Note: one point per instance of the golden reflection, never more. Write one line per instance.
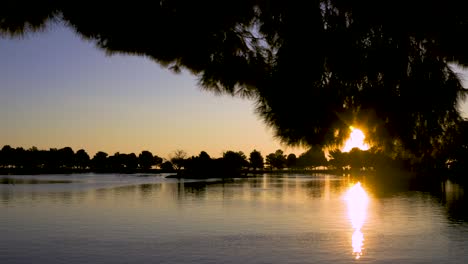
(357, 200)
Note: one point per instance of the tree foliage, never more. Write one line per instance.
(256, 159)
(291, 161)
(99, 161)
(147, 160)
(167, 166)
(234, 161)
(372, 159)
(276, 160)
(311, 158)
(82, 159)
(200, 166)
(178, 159)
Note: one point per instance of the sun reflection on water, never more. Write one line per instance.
(357, 200)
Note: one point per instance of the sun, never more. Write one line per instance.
(355, 140)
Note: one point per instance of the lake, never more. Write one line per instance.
(283, 218)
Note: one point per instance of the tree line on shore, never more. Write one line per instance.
(65, 160)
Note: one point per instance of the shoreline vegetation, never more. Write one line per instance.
(172, 174)
(232, 164)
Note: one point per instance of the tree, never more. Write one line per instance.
(291, 161)
(19, 157)
(256, 160)
(339, 159)
(203, 162)
(32, 158)
(204, 156)
(82, 159)
(52, 159)
(276, 160)
(130, 162)
(167, 166)
(313, 157)
(6, 156)
(66, 157)
(178, 158)
(356, 158)
(270, 160)
(201, 166)
(233, 162)
(99, 161)
(157, 160)
(116, 162)
(367, 69)
(146, 160)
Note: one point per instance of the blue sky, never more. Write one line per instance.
(58, 90)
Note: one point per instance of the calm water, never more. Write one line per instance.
(266, 219)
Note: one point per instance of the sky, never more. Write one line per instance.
(58, 90)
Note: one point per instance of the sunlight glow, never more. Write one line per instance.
(355, 140)
(357, 200)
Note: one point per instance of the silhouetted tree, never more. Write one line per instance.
(52, 159)
(291, 161)
(338, 159)
(201, 166)
(313, 157)
(3, 162)
(178, 158)
(256, 160)
(146, 160)
(99, 161)
(82, 159)
(130, 162)
(157, 160)
(377, 159)
(276, 160)
(116, 162)
(6, 156)
(122, 162)
(19, 157)
(204, 161)
(167, 166)
(356, 158)
(66, 157)
(204, 156)
(33, 159)
(233, 162)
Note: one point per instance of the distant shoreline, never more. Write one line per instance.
(25, 171)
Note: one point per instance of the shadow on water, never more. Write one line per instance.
(146, 190)
(196, 189)
(450, 195)
(180, 189)
(31, 181)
